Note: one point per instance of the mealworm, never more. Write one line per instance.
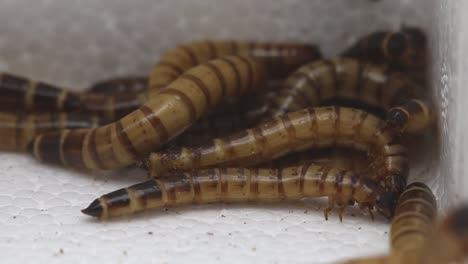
(414, 217)
(280, 58)
(350, 82)
(297, 131)
(404, 49)
(176, 107)
(132, 84)
(18, 130)
(20, 94)
(242, 185)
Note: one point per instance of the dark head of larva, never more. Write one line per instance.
(385, 201)
(397, 119)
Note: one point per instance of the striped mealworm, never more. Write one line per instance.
(176, 107)
(280, 58)
(349, 82)
(21, 94)
(18, 130)
(414, 217)
(297, 131)
(404, 49)
(241, 185)
(133, 84)
(411, 227)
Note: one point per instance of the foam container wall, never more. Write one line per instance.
(74, 43)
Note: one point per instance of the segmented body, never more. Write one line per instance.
(18, 130)
(21, 94)
(156, 122)
(132, 84)
(297, 131)
(414, 217)
(280, 59)
(238, 185)
(356, 83)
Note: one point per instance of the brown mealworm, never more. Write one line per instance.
(319, 127)
(176, 107)
(21, 94)
(279, 58)
(18, 130)
(350, 82)
(241, 185)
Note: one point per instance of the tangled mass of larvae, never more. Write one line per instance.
(230, 121)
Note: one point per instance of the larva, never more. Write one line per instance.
(404, 49)
(349, 82)
(176, 107)
(280, 58)
(241, 185)
(20, 94)
(297, 131)
(414, 217)
(411, 227)
(132, 84)
(18, 130)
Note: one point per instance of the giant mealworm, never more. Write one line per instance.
(20, 94)
(280, 59)
(297, 131)
(241, 185)
(18, 130)
(157, 121)
(350, 82)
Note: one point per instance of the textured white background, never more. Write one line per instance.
(76, 42)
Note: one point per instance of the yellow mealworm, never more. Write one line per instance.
(20, 94)
(280, 58)
(132, 84)
(242, 185)
(18, 130)
(349, 82)
(404, 49)
(297, 131)
(176, 107)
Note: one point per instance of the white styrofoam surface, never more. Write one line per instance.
(76, 42)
